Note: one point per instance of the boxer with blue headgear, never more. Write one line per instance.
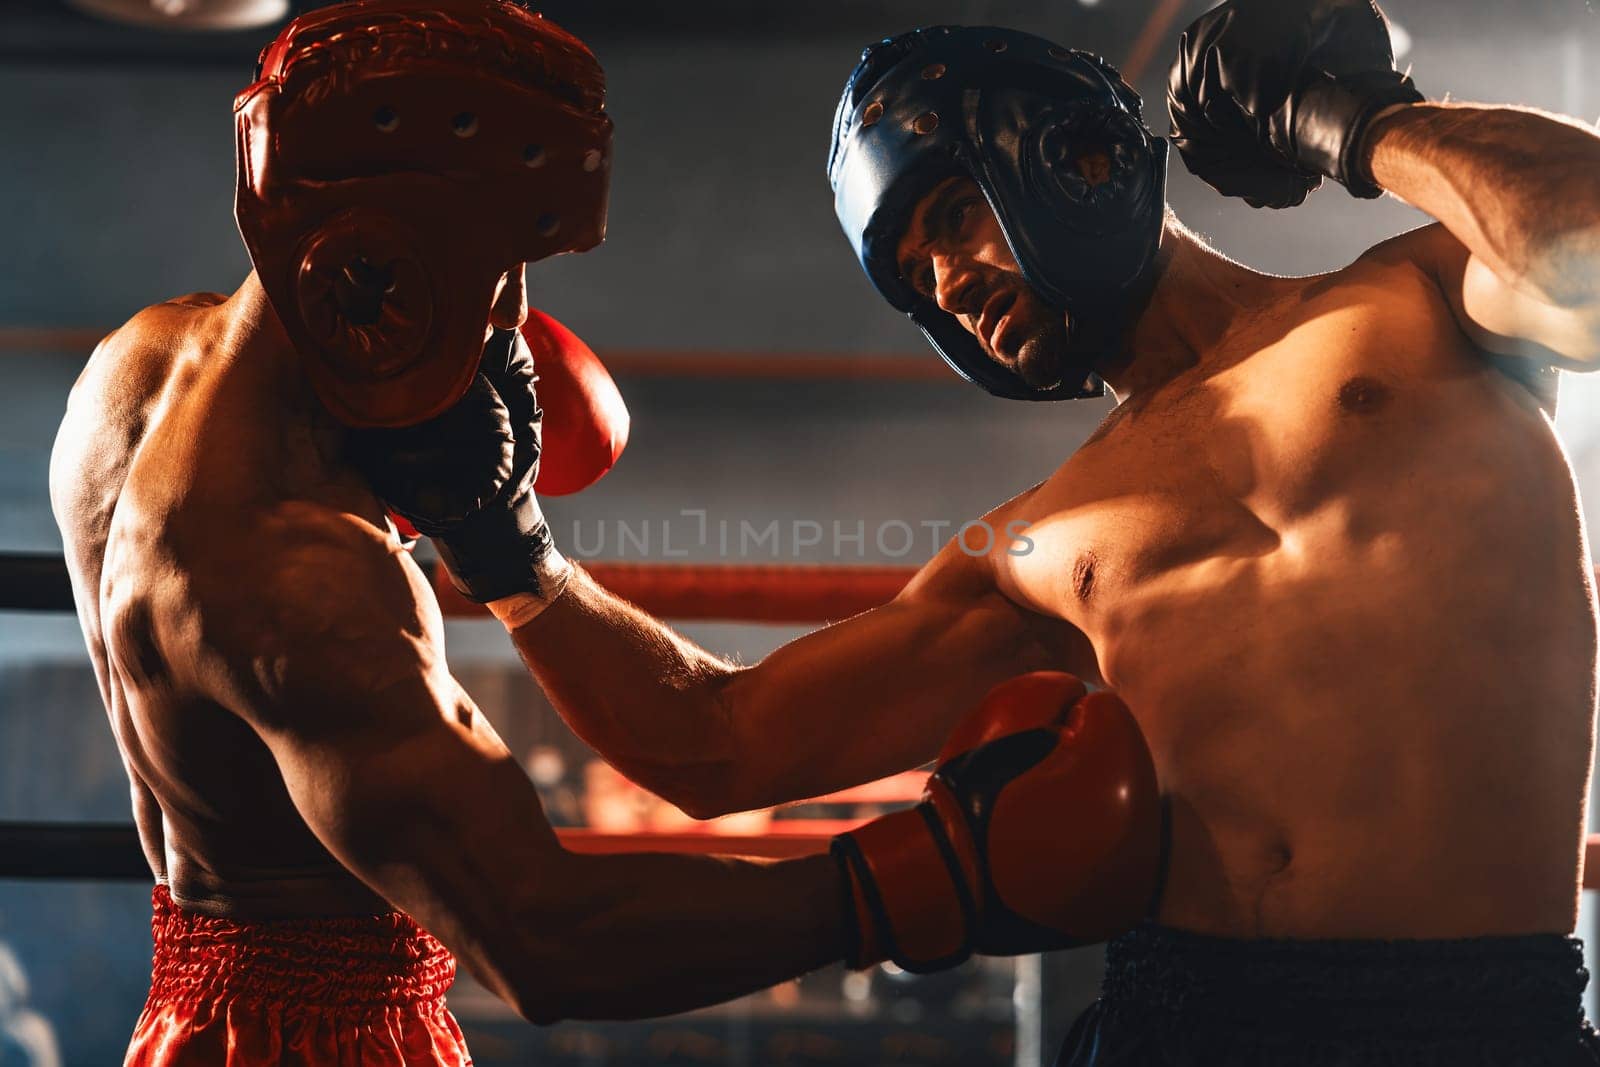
(1287, 547)
(1054, 139)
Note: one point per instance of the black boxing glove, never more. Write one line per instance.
(465, 479)
(1269, 96)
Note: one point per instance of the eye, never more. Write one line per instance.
(959, 213)
(916, 273)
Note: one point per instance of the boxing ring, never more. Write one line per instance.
(748, 593)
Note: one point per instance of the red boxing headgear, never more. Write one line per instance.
(396, 158)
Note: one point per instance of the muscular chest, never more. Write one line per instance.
(1306, 436)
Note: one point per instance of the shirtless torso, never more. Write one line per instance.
(157, 485)
(1338, 571)
(272, 661)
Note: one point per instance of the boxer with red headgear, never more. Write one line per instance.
(395, 161)
(330, 819)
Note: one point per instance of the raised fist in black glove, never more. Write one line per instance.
(1269, 96)
(465, 479)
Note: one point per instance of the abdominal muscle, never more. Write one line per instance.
(1344, 764)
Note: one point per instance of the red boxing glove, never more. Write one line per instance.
(407, 532)
(585, 420)
(1040, 828)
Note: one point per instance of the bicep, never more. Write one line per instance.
(401, 786)
(1505, 320)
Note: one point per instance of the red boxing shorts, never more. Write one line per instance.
(359, 990)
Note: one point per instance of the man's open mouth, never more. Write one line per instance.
(993, 316)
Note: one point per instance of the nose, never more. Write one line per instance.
(954, 284)
(510, 307)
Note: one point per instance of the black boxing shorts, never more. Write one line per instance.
(1175, 999)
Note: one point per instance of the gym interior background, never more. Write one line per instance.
(116, 188)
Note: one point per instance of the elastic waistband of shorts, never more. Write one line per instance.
(1469, 984)
(338, 963)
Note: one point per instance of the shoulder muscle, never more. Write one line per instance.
(330, 618)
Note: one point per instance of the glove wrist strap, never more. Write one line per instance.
(1340, 111)
(910, 903)
(861, 945)
(519, 609)
(504, 553)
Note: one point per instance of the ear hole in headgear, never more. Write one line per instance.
(1087, 154)
(360, 290)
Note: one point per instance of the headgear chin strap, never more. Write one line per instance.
(395, 159)
(1015, 113)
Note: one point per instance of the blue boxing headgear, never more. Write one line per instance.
(1013, 112)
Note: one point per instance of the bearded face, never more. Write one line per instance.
(955, 254)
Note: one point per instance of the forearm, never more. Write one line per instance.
(643, 696)
(845, 704)
(655, 934)
(562, 935)
(444, 824)
(1515, 186)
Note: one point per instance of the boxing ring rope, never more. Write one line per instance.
(110, 852)
(1152, 35)
(768, 593)
(786, 593)
(688, 592)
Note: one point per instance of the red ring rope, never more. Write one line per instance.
(771, 593)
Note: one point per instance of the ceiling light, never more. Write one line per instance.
(188, 14)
